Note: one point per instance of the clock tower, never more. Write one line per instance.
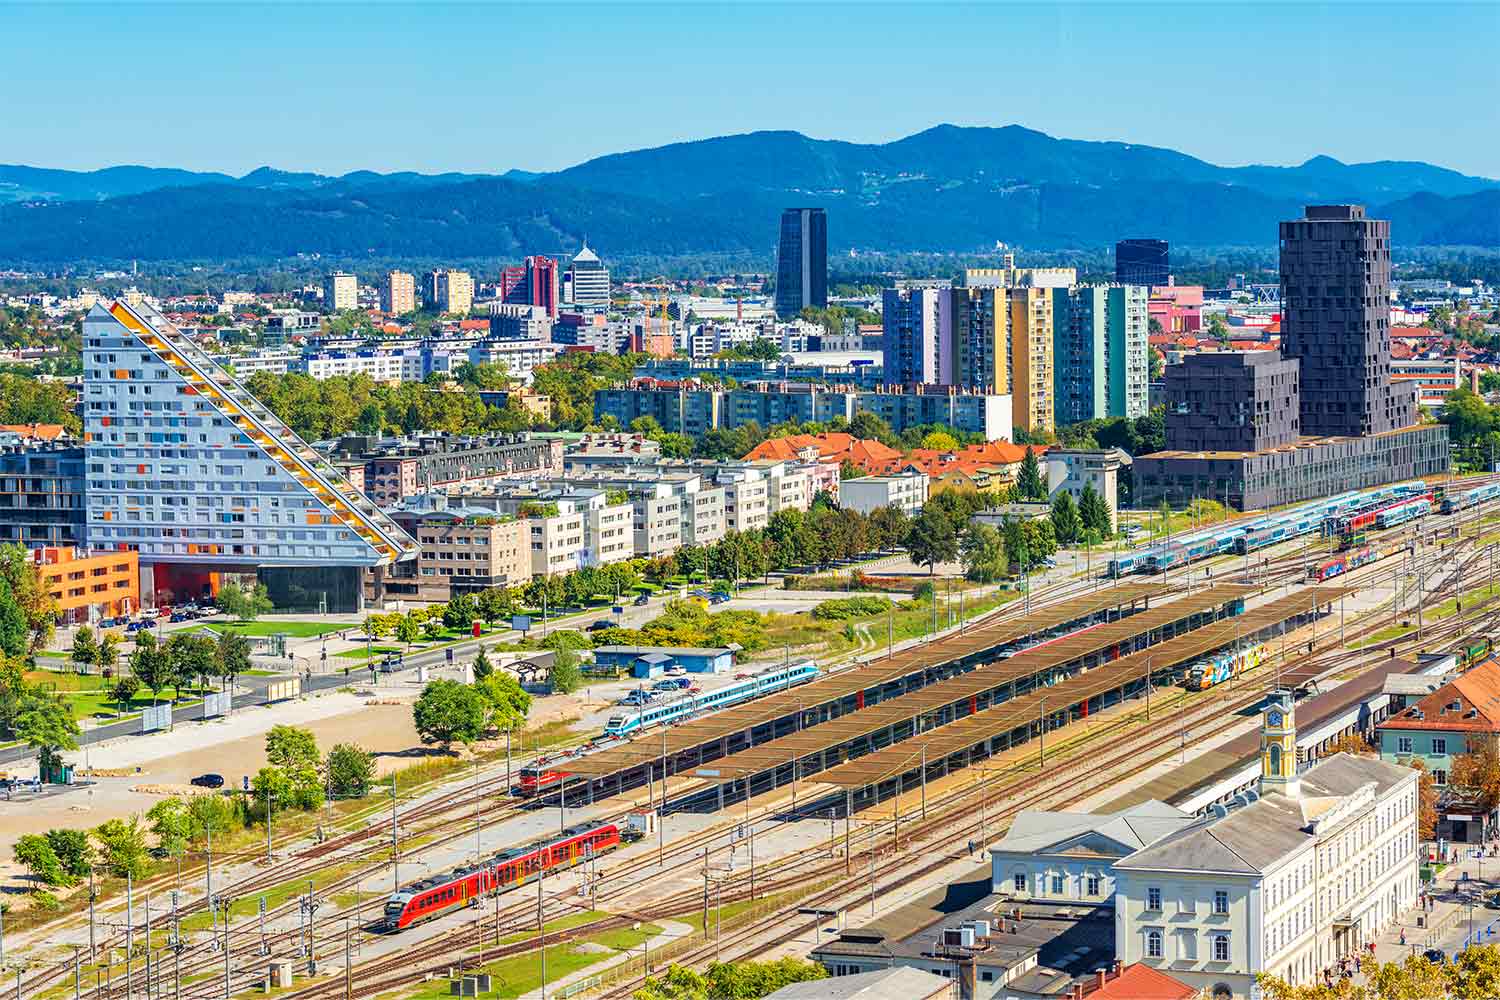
(1278, 746)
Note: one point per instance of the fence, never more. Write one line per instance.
(215, 704)
(156, 717)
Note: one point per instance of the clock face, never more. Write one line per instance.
(1274, 719)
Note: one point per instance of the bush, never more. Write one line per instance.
(925, 591)
(843, 608)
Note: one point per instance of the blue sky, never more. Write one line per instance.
(488, 87)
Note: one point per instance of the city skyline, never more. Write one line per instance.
(1080, 75)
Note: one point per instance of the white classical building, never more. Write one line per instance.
(1308, 870)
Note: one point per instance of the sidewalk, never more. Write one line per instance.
(1445, 923)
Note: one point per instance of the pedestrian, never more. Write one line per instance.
(1372, 949)
(1403, 937)
(1357, 963)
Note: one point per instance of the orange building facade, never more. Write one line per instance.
(88, 587)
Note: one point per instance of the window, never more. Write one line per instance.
(1221, 947)
(1153, 898)
(1221, 901)
(1153, 944)
(1440, 777)
(1093, 885)
(1403, 744)
(1439, 744)
(1057, 885)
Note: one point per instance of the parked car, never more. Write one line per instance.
(642, 600)
(1435, 956)
(676, 671)
(208, 781)
(718, 597)
(666, 685)
(180, 616)
(600, 625)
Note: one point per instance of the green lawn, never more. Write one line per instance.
(522, 974)
(89, 693)
(295, 629)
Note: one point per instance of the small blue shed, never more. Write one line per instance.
(653, 661)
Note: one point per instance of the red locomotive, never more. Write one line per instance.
(539, 778)
(507, 870)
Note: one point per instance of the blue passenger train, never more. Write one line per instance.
(624, 724)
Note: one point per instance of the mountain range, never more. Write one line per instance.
(948, 188)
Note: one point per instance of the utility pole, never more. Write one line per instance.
(348, 965)
(541, 928)
(395, 842)
(226, 949)
(270, 806)
(208, 879)
(1043, 734)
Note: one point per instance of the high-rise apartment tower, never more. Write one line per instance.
(1335, 320)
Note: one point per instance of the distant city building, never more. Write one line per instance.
(41, 494)
(87, 586)
(463, 549)
(520, 322)
(802, 261)
(588, 280)
(398, 293)
(394, 469)
(1070, 470)
(1335, 320)
(1232, 401)
(906, 491)
(340, 292)
(208, 485)
(913, 347)
(1100, 362)
(1011, 276)
(533, 283)
(1142, 262)
(519, 357)
(455, 292)
(1032, 333)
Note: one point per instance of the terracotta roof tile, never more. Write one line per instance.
(1141, 982)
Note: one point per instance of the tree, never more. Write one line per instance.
(482, 666)
(648, 426)
(107, 653)
(151, 664)
(729, 980)
(870, 426)
(193, 656)
(564, 677)
(1413, 978)
(495, 604)
(73, 850)
(1477, 773)
(15, 635)
(1427, 800)
(244, 605)
(1093, 512)
(407, 631)
(272, 787)
(931, 539)
(432, 628)
(983, 553)
(508, 701)
(939, 441)
(23, 577)
(122, 847)
(289, 748)
(124, 690)
(350, 771)
(1065, 524)
(33, 852)
(1353, 743)
(449, 712)
(1029, 479)
(459, 613)
(85, 650)
(233, 655)
(172, 824)
(46, 724)
(210, 814)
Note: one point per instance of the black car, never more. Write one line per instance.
(208, 781)
(600, 625)
(1435, 956)
(642, 601)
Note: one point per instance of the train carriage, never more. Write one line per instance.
(625, 723)
(438, 894)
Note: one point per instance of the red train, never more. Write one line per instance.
(507, 870)
(1352, 524)
(539, 779)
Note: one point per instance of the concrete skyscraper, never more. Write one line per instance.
(398, 294)
(1335, 320)
(533, 283)
(340, 292)
(1142, 262)
(802, 261)
(589, 279)
(1099, 352)
(912, 343)
(188, 469)
(454, 291)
